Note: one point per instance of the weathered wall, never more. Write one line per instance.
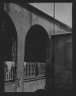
(63, 61)
(59, 30)
(48, 25)
(23, 21)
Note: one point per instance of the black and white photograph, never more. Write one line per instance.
(36, 48)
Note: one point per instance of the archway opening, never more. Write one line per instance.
(8, 47)
(36, 43)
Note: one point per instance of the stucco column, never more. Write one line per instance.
(21, 19)
(19, 84)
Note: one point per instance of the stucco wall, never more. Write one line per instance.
(23, 21)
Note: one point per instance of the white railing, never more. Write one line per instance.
(34, 69)
(9, 75)
(9, 71)
(31, 70)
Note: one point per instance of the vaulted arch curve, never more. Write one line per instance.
(8, 28)
(36, 42)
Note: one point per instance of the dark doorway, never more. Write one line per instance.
(8, 47)
(35, 44)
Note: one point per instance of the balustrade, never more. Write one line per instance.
(31, 70)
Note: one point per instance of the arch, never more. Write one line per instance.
(8, 44)
(8, 27)
(36, 41)
(37, 45)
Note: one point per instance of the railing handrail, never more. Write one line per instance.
(31, 70)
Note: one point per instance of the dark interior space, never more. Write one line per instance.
(35, 44)
(7, 35)
(6, 49)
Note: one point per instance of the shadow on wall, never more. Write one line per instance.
(40, 92)
(54, 92)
